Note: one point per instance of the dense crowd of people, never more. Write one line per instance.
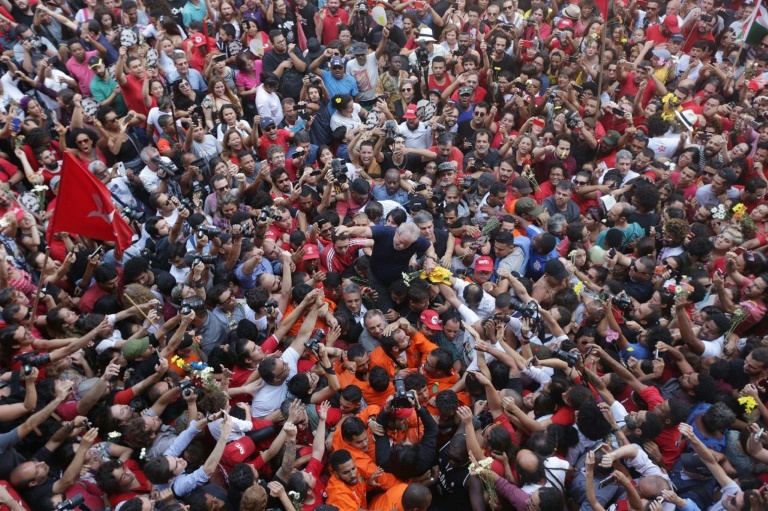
(418, 255)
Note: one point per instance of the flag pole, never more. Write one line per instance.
(603, 33)
(140, 311)
(40, 284)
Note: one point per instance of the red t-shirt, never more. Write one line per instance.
(433, 84)
(282, 140)
(331, 25)
(315, 468)
(132, 95)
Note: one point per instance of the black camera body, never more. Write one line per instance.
(339, 170)
(314, 79)
(270, 305)
(205, 259)
(32, 359)
(422, 54)
(313, 344)
(186, 384)
(527, 310)
(467, 182)
(72, 503)
(572, 119)
(207, 230)
(622, 301)
(191, 304)
(186, 204)
(164, 169)
(568, 357)
(402, 398)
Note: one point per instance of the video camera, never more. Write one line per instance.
(133, 215)
(269, 213)
(72, 503)
(339, 170)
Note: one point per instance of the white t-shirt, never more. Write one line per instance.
(348, 122)
(269, 397)
(366, 76)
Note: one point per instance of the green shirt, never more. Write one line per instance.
(102, 89)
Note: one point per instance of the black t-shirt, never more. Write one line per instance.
(396, 35)
(507, 63)
(465, 132)
(308, 20)
(21, 17)
(411, 162)
(290, 82)
(646, 221)
(287, 26)
(388, 264)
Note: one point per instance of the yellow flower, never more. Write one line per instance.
(578, 288)
(748, 402)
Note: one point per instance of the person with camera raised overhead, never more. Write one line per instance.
(427, 50)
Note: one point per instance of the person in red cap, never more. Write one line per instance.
(310, 261)
(661, 33)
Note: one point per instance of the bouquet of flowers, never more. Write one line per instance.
(719, 212)
(670, 102)
(740, 314)
(749, 404)
(200, 372)
(482, 470)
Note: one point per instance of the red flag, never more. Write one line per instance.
(84, 206)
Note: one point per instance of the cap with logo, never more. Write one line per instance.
(431, 319)
(483, 263)
(310, 252)
(266, 121)
(94, 61)
(336, 61)
(410, 112)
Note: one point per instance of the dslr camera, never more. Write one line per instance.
(402, 398)
(271, 305)
(339, 170)
(622, 301)
(191, 304)
(165, 169)
(133, 215)
(568, 357)
(572, 119)
(207, 230)
(527, 310)
(313, 344)
(32, 359)
(422, 54)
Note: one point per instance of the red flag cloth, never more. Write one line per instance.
(84, 206)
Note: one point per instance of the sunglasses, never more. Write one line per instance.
(83, 141)
(479, 114)
(406, 89)
(337, 67)
(271, 127)
(710, 174)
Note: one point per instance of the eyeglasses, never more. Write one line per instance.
(337, 67)
(406, 89)
(633, 267)
(82, 141)
(580, 183)
(221, 188)
(271, 127)
(227, 299)
(508, 7)
(479, 114)
(113, 119)
(705, 173)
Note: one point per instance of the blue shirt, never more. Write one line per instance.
(380, 193)
(536, 263)
(347, 85)
(196, 80)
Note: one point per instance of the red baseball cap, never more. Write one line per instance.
(310, 252)
(484, 263)
(410, 112)
(198, 40)
(431, 319)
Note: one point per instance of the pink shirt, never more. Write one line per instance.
(82, 73)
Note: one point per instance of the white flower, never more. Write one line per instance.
(143, 453)
(113, 435)
(40, 189)
(293, 495)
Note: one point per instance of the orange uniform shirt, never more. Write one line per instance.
(344, 496)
